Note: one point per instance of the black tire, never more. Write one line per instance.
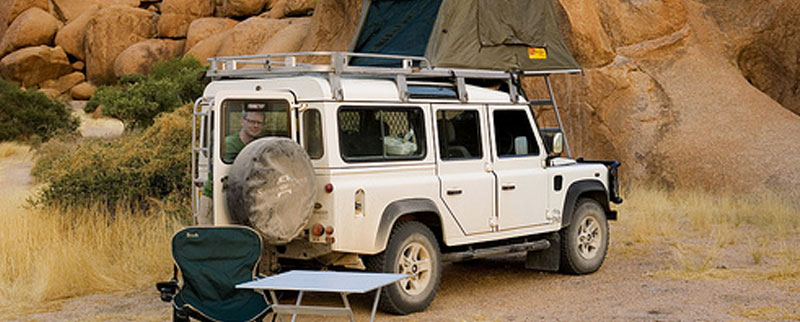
(409, 240)
(584, 242)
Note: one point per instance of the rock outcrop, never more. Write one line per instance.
(13, 8)
(204, 28)
(177, 15)
(63, 83)
(288, 39)
(333, 25)
(68, 10)
(82, 91)
(71, 36)
(109, 33)
(33, 27)
(665, 94)
(33, 65)
(138, 58)
(242, 8)
(248, 36)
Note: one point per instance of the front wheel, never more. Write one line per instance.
(412, 250)
(585, 241)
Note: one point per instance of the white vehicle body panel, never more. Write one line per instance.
(482, 212)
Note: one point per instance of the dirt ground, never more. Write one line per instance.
(626, 288)
(500, 289)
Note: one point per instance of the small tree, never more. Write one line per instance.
(140, 98)
(31, 116)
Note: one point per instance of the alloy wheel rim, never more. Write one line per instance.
(589, 238)
(415, 260)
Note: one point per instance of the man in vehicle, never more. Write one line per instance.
(252, 124)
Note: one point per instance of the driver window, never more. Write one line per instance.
(513, 134)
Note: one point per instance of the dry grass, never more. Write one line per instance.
(714, 235)
(49, 256)
(767, 313)
(10, 149)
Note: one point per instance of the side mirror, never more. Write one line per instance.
(558, 143)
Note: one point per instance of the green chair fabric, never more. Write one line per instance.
(212, 260)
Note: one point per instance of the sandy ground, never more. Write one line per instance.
(497, 289)
(500, 289)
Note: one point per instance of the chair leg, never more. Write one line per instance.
(179, 316)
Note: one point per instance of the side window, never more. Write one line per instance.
(381, 134)
(513, 134)
(459, 134)
(312, 133)
(251, 119)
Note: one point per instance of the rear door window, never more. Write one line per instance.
(260, 118)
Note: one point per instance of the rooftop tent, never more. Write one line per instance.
(471, 34)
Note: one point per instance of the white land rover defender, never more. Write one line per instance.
(397, 169)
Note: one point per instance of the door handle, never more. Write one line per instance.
(507, 187)
(453, 192)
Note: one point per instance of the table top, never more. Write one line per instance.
(324, 281)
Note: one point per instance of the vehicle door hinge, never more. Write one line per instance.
(493, 223)
(488, 167)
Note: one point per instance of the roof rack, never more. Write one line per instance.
(255, 66)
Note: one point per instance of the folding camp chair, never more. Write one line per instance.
(211, 261)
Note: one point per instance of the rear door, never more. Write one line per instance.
(275, 119)
(463, 159)
(518, 164)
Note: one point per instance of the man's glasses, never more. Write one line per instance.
(254, 122)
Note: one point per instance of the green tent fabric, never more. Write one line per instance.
(519, 35)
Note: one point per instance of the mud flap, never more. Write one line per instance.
(546, 259)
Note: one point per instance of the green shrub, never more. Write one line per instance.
(139, 98)
(30, 115)
(139, 169)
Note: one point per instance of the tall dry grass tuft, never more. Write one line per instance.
(707, 232)
(10, 149)
(49, 255)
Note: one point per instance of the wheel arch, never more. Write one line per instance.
(593, 189)
(421, 210)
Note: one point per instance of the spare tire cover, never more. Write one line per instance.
(271, 188)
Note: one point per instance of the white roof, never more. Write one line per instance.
(317, 88)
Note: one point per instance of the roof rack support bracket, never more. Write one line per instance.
(461, 87)
(513, 92)
(336, 83)
(402, 87)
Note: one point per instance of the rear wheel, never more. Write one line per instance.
(412, 250)
(585, 241)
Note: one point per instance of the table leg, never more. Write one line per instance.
(275, 302)
(347, 306)
(375, 304)
(299, 299)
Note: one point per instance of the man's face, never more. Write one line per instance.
(252, 123)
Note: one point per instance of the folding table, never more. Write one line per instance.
(343, 283)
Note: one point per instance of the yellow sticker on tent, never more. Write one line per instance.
(537, 53)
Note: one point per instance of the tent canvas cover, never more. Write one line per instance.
(508, 35)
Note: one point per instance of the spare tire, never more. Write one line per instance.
(271, 189)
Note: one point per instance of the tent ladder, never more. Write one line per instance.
(551, 101)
